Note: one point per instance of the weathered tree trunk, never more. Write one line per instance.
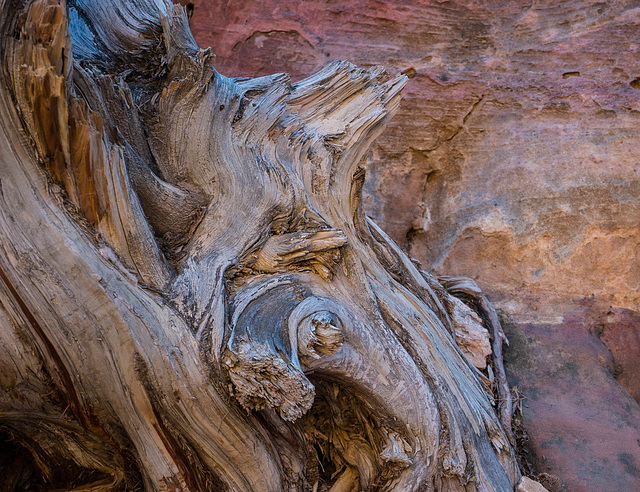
(191, 296)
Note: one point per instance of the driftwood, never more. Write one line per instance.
(191, 295)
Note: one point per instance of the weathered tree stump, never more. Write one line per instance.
(191, 295)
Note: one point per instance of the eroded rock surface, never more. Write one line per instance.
(513, 160)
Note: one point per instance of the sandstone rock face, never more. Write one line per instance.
(514, 160)
(583, 425)
(528, 485)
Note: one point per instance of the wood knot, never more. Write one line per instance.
(320, 334)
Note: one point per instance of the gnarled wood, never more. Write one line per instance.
(189, 275)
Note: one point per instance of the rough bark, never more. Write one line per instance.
(191, 295)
